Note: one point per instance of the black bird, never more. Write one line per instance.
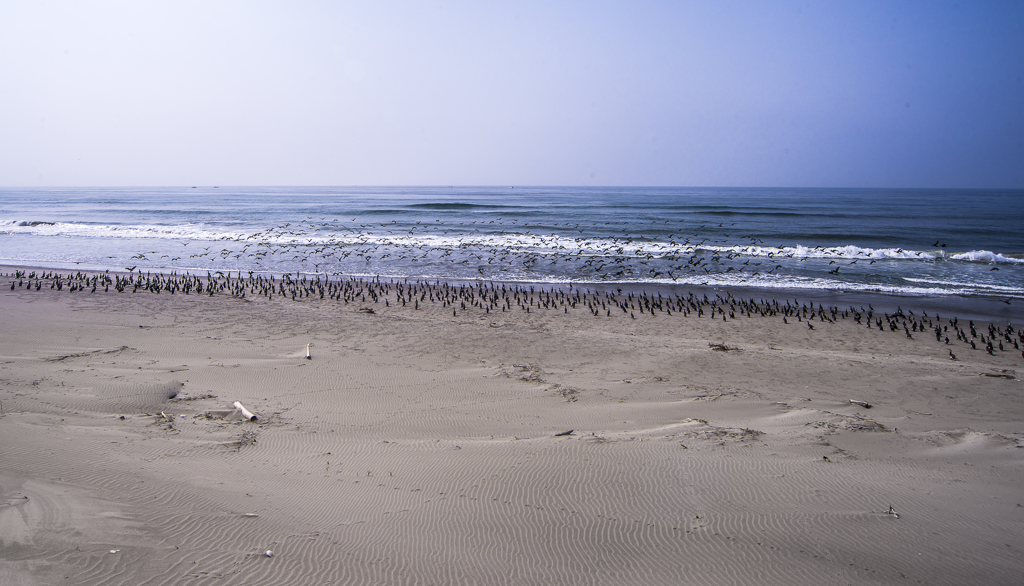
(951, 355)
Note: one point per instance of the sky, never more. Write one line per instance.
(716, 93)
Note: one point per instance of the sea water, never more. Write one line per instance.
(919, 242)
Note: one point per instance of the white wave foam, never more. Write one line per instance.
(984, 256)
(976, 286)
(178, 232)
(820, 284)
(505, 242)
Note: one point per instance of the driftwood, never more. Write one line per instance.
(245, 412)
(863, 404)
(563, 433)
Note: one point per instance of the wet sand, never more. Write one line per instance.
(426, 442)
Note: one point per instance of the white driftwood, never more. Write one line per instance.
(308, 357)
(245, 412)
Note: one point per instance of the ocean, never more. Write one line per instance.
(904, 242)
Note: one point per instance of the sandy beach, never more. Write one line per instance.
(437, 436)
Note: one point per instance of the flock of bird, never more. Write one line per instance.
(493, 297)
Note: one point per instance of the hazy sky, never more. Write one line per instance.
(760, 93)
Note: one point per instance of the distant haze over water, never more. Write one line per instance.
(900, 241)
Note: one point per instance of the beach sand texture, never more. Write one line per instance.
(428, 446)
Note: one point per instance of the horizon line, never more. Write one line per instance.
(503, 186)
